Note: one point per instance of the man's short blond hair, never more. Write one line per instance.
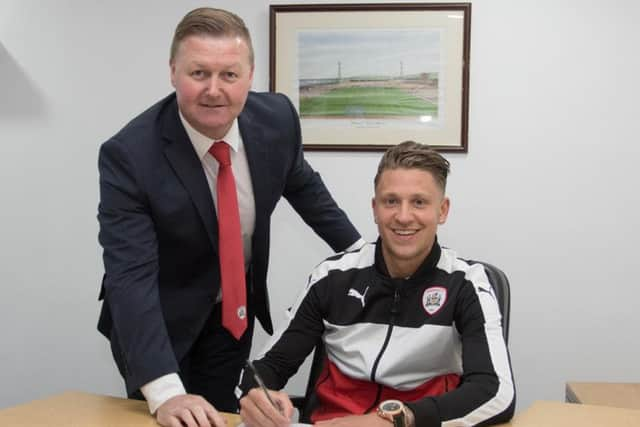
(412, 155)
(211, 22)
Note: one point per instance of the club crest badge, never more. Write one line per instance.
(433, 299)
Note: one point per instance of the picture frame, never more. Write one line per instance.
(364, 77)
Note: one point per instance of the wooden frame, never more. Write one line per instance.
(364, 77)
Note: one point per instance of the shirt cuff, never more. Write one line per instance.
(357, 245)
(162, 389)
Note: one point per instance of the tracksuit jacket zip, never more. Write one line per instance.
(394, 310)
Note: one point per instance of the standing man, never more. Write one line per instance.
(412, 332)
(187, 189)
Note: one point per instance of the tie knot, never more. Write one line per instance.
(220, 150)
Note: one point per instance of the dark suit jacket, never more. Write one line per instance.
(159, 230)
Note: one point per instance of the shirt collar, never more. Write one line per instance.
(201, 143)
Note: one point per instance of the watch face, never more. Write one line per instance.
(391, 406)
(393, 410)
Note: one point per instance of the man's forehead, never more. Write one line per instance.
(203, 41)
(402, 192)
(412, 174)
(421, 183)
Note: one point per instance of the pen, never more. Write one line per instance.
(258, 379)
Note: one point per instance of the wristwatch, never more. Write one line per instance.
(394, 411)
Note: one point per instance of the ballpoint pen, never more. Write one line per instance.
(258, 379)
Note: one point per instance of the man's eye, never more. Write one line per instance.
(420, 203)
(231, 76)
(198, 74)
(391, 202)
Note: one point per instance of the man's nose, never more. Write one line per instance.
(213, 89)
(404, 213)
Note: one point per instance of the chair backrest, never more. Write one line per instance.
(309, 402)
(500, 284)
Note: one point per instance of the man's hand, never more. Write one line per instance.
(257, 411)
(189, 410)
(369, 420)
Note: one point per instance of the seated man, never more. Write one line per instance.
(402, 319)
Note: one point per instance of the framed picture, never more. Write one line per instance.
(364, 77)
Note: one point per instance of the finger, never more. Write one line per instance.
(187, 418)
(200, 416)
(168, 420)
(252, 416)
(280, 414)
(247, 410)
(257, 417)
(215, 417)
(285, 404)
(261, 411)
(174, 422)
(276, 414)
(249, 420)
(246, 418)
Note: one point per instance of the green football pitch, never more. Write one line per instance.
(366, 101)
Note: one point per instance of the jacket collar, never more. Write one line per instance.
(185, 162)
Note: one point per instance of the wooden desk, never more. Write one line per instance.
(619, 395)
(558, 414)
(76, 409)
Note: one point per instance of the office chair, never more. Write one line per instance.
(307, 403)
(500, 284)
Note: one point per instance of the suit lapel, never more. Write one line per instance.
(258, 158)
(184, 161)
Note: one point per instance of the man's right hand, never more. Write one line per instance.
(189, 410)
(257, 411)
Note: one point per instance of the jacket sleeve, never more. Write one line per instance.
(292, 347)
(130, 257)
(310, 198)
(486, 393)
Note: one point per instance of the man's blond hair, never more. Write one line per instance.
(211, 22)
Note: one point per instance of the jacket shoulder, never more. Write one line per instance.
(264, 104)
(343, 261)
(147, 126)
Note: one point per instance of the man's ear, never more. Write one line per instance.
(444, 210)
(373, 209)
(172, 71)
(253, 67)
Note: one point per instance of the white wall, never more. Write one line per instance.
(547, 190)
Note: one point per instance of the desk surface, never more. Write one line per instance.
(558, 414)
(619, 395)
(84, 410)
(78, 409)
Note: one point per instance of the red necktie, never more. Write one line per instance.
(234, 293)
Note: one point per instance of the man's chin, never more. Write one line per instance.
(213, 129)
(404, 254)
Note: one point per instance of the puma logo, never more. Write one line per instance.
(358, 295)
